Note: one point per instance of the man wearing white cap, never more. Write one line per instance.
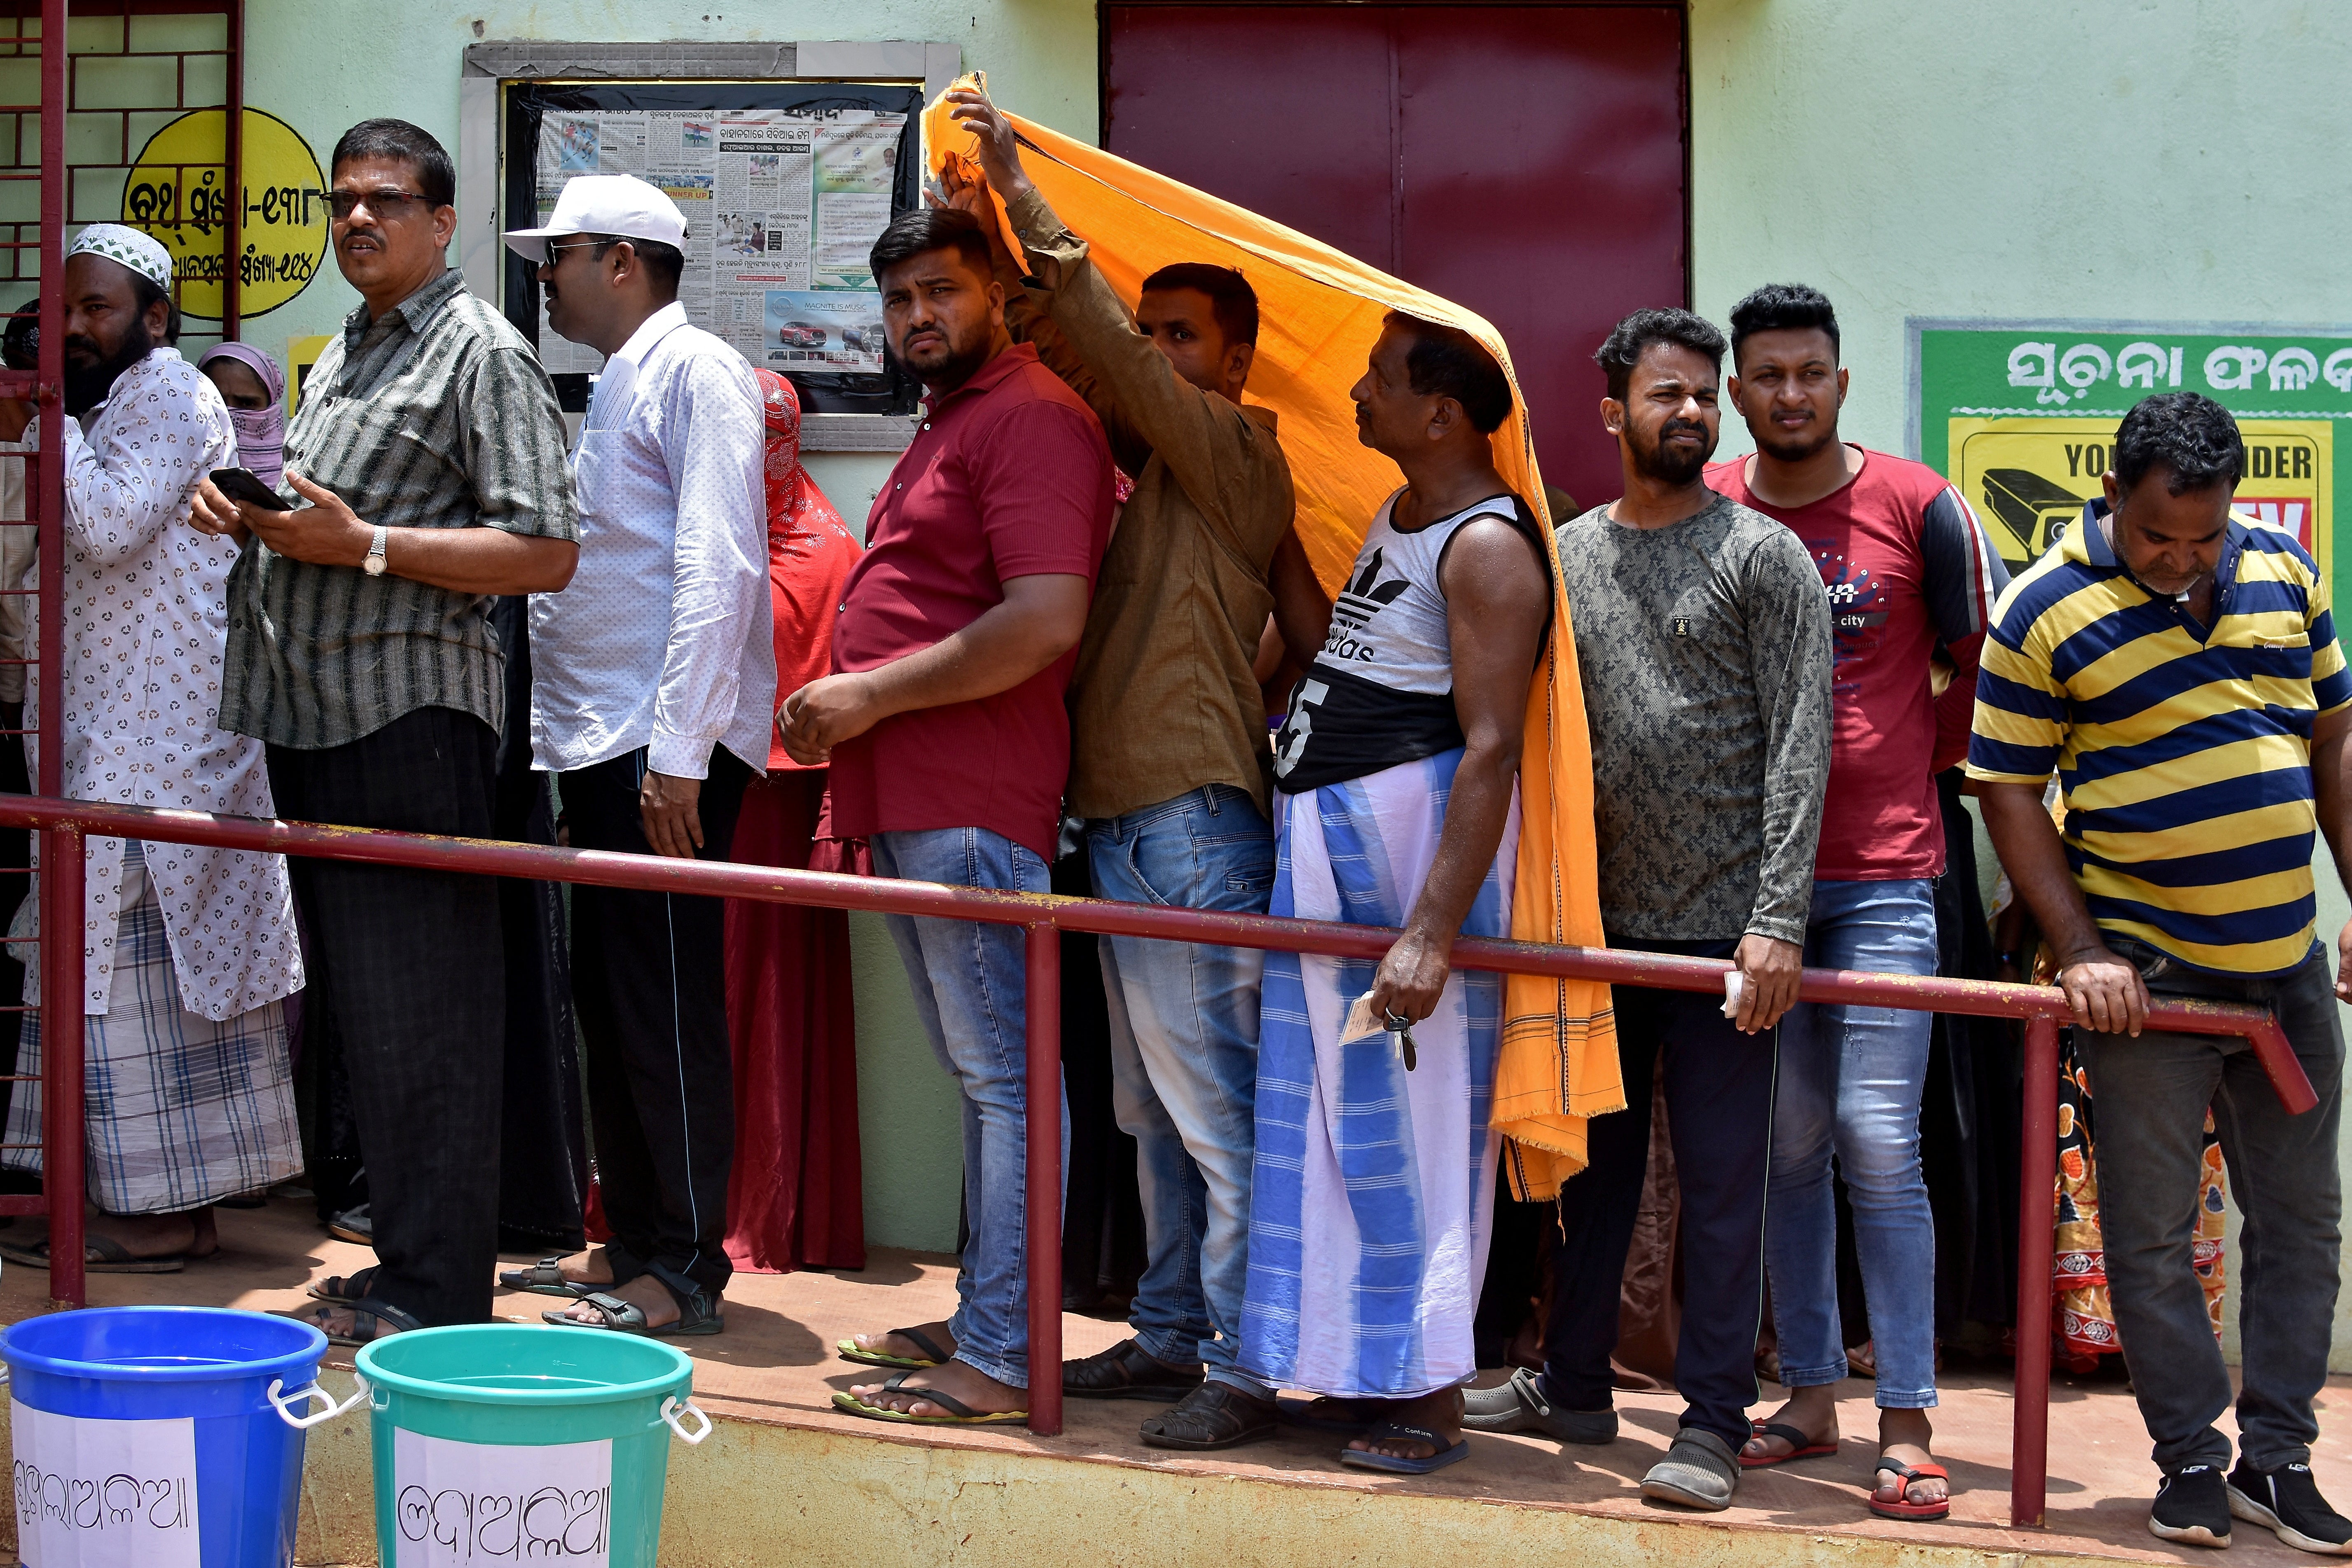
(188, 951)
(653, 687)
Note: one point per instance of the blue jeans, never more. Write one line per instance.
(971, 986)
(1183, 1052)
(1850, 1083)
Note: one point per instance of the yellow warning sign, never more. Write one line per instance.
(2023, 476)
(178, 192)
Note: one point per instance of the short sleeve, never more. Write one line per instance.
(512, 430)
(2331, 685)
(1041, 473)
(2022, 715)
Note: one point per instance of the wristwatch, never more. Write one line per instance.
(374, 563)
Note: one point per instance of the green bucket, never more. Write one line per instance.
(504, 1442)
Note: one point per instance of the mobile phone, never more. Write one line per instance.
(244, 485)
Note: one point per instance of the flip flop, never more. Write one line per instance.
(1937, 1508)
(697, 1315)
(113, 1258)
(850, 1349)
(545, 1278)
(1803, 1445)
(960, 1414)
(1396, 1431)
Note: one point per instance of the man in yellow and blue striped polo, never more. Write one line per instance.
(2178, 666)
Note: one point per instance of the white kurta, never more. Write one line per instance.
(145, 625)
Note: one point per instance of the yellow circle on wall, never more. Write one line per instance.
(178, 192)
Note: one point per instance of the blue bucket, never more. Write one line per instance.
(159, 1436)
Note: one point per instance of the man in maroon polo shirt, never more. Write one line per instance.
(949, 743)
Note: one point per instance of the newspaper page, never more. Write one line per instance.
(781, 207)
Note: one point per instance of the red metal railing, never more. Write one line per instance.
(64, 825)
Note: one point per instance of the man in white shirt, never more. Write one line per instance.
(653, 686)
(188, 952)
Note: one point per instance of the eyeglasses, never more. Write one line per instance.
(553, 251)
(383, 203)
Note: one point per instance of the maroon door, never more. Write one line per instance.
(1526, 161)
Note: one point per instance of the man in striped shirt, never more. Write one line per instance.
(2179, 667)
(425, 473)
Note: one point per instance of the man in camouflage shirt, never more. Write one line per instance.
(1703, 642)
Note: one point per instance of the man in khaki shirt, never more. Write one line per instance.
(1169, 763)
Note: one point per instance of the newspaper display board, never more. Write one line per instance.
(784, 188)
(2021, 417)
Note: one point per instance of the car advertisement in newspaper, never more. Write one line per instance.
(781, 208)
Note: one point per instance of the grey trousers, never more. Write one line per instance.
(2149, 1098)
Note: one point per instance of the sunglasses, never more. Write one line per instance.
(383, 203)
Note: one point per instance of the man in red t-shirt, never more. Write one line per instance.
(944, 727)
(1911, 576)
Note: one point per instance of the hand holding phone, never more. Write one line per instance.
(244, 485)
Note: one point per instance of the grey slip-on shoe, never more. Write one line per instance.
(1521, 1405)
(1699, 1472)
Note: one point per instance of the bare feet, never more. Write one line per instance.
(1439, 1413)
(897, 1344)
(1812, 1411)
(645, 1294)
(960, 1380)
(1904, 1437)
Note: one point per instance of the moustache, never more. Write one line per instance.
(1681, 427)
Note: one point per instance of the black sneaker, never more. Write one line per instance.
(2192, 1506)
(2287, 1500)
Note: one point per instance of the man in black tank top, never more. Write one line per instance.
(1375, 1178)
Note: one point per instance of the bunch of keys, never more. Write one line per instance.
(1401, 1030)
(1361, 1024)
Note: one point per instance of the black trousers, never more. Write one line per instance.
(1718, 1091)
(409, 968)
(649, 984)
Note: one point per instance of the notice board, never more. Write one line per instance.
(2021, 415)
(784, 185)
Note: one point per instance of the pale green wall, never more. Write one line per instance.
(2158, 160)
(323, 64)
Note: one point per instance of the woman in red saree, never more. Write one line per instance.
(796, 1198)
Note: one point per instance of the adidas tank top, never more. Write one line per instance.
(1381, 691)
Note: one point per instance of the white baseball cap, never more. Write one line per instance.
(621, 205)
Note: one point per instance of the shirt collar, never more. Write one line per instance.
(652, 331)
(988, 376)
(413, 311)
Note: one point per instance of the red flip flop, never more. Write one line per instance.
(1904, 1508)
(1800, 1443)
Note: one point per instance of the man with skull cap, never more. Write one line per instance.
(188, 951)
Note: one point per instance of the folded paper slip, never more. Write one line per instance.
(1319, 312)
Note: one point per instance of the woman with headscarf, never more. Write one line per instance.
(796, 1195)
(250, 384)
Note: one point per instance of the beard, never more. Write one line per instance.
(90, 371)
(1652, 459)
(945, 368)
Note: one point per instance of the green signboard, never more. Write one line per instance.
(2020, 415)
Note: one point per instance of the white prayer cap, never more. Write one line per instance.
(621, 205)
(141, 252)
